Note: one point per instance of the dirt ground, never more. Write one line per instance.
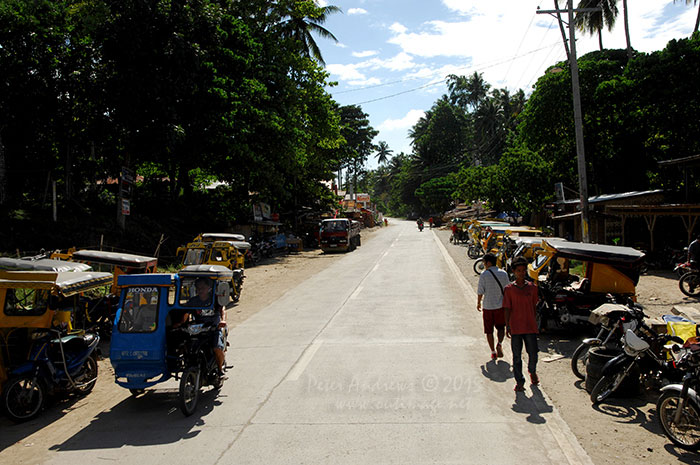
(621, 430)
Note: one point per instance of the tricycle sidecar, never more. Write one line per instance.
(150, 337)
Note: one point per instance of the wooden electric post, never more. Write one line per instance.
(578, 118)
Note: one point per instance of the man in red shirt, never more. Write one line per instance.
(520, 303)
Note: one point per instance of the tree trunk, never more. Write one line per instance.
(600, 38)
(627, 29)
(3, 174)
(697, 22)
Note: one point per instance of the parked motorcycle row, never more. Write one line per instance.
(55, 308)
(591, 288)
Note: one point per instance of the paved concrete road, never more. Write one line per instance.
(378, 359)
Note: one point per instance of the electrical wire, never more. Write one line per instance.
(442, 80)
(522, 40)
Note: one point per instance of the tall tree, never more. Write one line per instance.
(593, 22)
(383, 152)
(305, 18)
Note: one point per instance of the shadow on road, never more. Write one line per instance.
(149, 419)
(13, 433)
(497, 371)
(534, 406)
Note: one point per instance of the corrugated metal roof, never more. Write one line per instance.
(609, 197)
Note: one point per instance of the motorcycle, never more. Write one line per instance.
(614, 320)
(682, 268)
(678, 406)
(689, 283)
(561, 306)
(199, 366)
(641, 352)
(62, 364)
(420, 226)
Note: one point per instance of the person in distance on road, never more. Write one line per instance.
(520, 303)
(492, 282)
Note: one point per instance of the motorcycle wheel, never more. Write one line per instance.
(479, 266)
(88, 378)
(690, 284)
(686, 433)
(189, 390)
(606, 386)
(23, 398)
(579, 359)
(473, 252)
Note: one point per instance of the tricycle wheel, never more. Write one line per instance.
(189, 390)
(23, 398)
(86, 382)
(136, 392)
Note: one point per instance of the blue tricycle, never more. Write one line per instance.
(172, 325)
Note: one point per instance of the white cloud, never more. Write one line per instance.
(402, 124)
(346, 72)
(398, 28)
(399, 62)
(322, 2)
(512, 45)
(365, 82)
(340, 45)
(357, 11)
(365, 53)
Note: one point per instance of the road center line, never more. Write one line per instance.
(304, 361)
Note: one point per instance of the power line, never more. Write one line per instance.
(522, 40)
(442, 80)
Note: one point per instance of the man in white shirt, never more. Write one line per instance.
(490, 289)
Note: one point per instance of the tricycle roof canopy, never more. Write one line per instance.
(43, 264)
(211, 271)
(115, 258)
(611, 254)
(212, 237)
(65, 283)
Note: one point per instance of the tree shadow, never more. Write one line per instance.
(151, 418)
(631, 410)
(55, 409)
(497, 371)
(534, 406)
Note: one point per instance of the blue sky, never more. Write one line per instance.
(392, 56)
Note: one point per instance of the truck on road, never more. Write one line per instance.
(340, 234)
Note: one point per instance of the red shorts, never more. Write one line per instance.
(494, 318)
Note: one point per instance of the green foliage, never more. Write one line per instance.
(183, 92)
(436, 195)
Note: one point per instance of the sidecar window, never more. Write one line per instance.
(139, 310)
(26, 302)
(194, 257)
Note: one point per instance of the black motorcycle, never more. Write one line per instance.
(562, 306)
(613, 320)
(643, 351)
(678, 407)
(195, 355)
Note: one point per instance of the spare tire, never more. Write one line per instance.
(597, 358)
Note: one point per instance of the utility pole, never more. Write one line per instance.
(578, 118)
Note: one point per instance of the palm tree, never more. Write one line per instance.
(697, 20)
(467, 91)
(305, 19)
(593, 22)
(383, 152)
